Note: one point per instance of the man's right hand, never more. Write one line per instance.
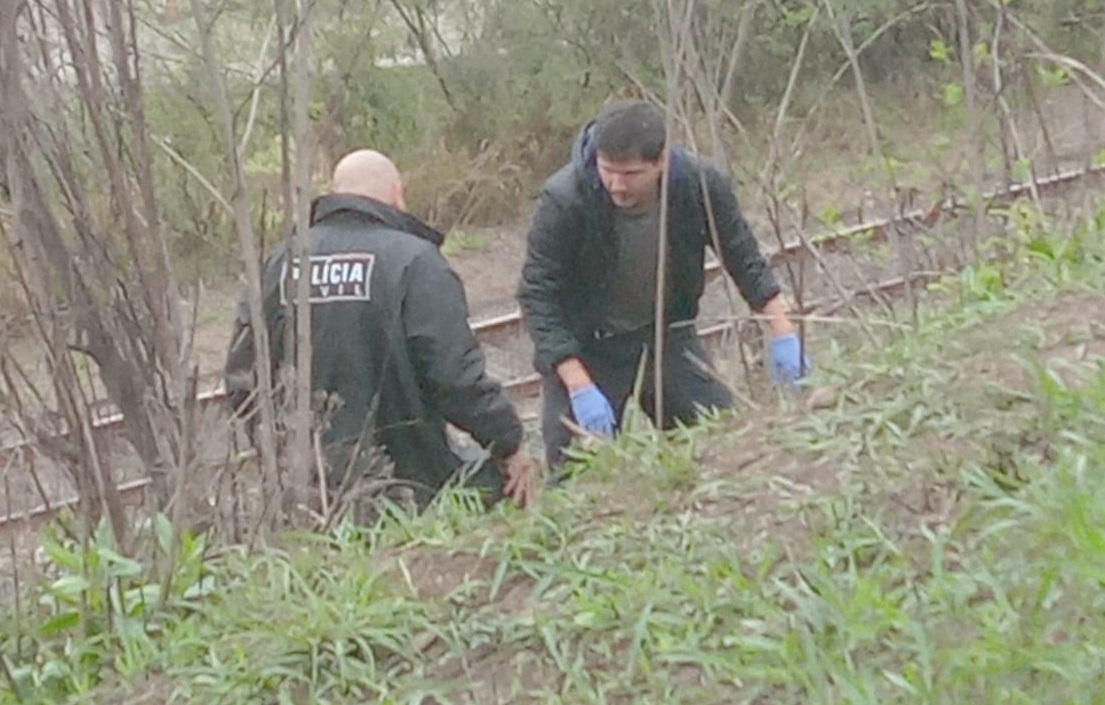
(590, 407)
(592, 411)
(522, 479)
(788, 364)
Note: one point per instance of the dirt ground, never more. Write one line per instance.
(1072, 330)
(1072, 334)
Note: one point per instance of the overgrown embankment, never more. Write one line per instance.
(932, 532)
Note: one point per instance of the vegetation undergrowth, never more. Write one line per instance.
(935, 535)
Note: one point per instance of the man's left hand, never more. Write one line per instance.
(788, 364)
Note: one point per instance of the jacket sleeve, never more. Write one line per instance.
(449, 360)
(740, 252)
(542, 289)
(240, 369)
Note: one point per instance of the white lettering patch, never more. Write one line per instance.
(334, 278)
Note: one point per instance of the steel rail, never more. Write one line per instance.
(518, 390)
(132, 494)
(496, 329)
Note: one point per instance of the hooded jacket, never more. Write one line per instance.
(391, 342)
(572, 248)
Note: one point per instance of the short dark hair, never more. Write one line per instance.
(630, 129)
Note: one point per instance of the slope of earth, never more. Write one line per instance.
(926, 526)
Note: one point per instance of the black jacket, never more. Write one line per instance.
(571, 249)
(389, 324)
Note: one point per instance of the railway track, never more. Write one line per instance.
(519, 389)
(497, 330)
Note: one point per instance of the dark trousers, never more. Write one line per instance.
(689, 383)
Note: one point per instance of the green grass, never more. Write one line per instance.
(934, 535)
(460, 241)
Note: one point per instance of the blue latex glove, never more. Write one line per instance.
(788, 364)
(592, 411)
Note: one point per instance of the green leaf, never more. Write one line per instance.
(62, 556)
(119, 566)
(104, 538)
(164, 530)
(1041, 247)
(56, 669)
(69, 587)
(139, 598)
(830, 216)
(799, 17)
(939, 51)
(1053, 78)
(1022, 168)
(952, 95)
(202, 588)
(900, 682)
(63, 622)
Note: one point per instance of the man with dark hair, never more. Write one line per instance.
(392, 348)
(588, 285)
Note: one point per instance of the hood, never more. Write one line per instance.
(585, 158)
(333, 204)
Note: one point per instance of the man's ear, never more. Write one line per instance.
(398, 199)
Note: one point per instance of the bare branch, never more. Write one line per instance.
(195, 173)
(255, 93)
(842, 28)
(302, 432)
(250, 255)
(415, 20)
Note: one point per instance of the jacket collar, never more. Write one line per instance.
(335, 204)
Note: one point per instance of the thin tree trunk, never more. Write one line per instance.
(250, 256)
(302, 455)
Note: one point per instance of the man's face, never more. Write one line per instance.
(631, 183)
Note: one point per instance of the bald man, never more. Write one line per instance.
(393, 351)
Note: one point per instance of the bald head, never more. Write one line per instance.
(368, 173)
